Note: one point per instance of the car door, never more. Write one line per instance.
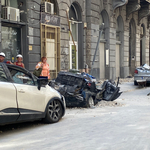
(8, 104)
(31, 101)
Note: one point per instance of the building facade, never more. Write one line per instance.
(125, 41)
(68, 34)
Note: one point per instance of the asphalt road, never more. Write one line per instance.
(125, 127)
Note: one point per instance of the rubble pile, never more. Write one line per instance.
(108, 103)
(121, 80)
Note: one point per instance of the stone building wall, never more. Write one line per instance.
(90, 12)
(33, 33)
(65, 49)
(92, 15)
(96, 8)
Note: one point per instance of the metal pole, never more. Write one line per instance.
(100, 33)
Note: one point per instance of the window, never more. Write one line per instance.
(101, 20)
(74, 29)
(11, 44)
(11, 3)
(2, 75)
(20, 77)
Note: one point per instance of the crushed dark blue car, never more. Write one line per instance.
(80, 90)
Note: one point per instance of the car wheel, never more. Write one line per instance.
(90, 102)
(54, 112)
(135, 83)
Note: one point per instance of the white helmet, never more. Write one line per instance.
(2, 54)
(19, 55)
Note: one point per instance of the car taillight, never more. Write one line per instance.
(89, 84)
(136, 71)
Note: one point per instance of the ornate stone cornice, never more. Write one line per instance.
(144, 11)
(132, 6)
(118, 3)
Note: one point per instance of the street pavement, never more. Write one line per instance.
(123, 127)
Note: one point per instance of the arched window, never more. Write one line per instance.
(105, 20)
(101, 20)
(76, 43)
(119, 28)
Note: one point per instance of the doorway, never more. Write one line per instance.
(117, 60)
(50, 47)
(50, 53)
(102, 60)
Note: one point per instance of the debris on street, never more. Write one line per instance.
(80, 90)
(109, 103)
(121, 80)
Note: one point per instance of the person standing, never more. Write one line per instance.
(19, 61)
(45, 68)
(2, 58)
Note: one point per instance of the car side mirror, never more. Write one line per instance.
(42, 82)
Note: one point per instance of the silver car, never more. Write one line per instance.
(26, 98)
(142, 74)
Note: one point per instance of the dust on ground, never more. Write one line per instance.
(121, 80)
(109, 103)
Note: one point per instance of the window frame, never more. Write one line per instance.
(18, 39)
(19, 69)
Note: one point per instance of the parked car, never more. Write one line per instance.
(27, 98)
(80, 90)
(142, 74)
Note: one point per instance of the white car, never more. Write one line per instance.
(26, 98)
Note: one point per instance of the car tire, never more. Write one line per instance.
(54, 112)
(135, 83)
(90, 102)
